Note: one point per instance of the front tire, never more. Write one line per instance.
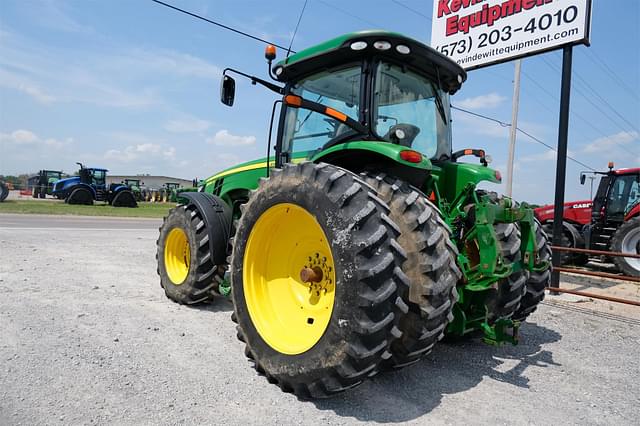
(504, 301)
(627, 240)
(185, 262)
(316, 338)
(430, 266)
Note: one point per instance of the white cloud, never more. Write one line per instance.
(490, 100)
(187, 125)
(51, 14)
(96, 76)
(478, 126)
(27, 137)
(141, 152)
(171, 153)
(37, 94)
(224, 138)
(20, 137)
(608, 142)
(170, 62)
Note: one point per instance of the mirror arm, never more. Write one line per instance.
(273, 87)
(271, 74)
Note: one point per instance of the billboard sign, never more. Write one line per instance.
(477, 33)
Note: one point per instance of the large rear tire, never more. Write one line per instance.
(537, 281)
(80, 196)
(627, 240)
(316, 338)
(430, 266)
(185, 262)
(4, 191)
(124, 198)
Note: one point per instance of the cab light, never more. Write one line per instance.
(336, 114)
(358, 45)
(382, 45)
(402, 49)
(411, 156)
(293, 100)
(270, 52)
(498, 175)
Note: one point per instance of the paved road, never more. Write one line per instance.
(87, 337)
(72, 223)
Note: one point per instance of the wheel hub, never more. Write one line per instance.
(631, 244)
(177, 256)
(289, 278)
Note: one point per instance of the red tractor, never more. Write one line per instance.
(611, 222)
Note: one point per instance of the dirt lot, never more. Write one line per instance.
(87, 337)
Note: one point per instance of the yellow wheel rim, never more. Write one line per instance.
(289, 279)
(177, 256)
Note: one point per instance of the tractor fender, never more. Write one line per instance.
(632, 212)
(361, 156)
(216, 215)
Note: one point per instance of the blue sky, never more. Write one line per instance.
(133, 86)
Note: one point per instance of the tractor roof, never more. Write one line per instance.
(632, 171)
(341, 50)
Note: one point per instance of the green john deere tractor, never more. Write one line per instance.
(363, 239)
(135, 186)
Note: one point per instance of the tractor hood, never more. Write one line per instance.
(354, 46)
(66, 182)
(574, 211)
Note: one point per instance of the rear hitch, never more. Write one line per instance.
(503, 331)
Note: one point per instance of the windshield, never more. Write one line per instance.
(339, 89)
(624, 194)
(410, 111)
(99, 177)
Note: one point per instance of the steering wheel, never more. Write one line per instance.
(341, 136)
(402, 134)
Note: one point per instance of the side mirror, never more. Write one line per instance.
(227, 90)
(582, 178)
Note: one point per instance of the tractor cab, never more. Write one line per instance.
(92, 176)
(370, 100)
(132, 183)
(374, 87)
(618, 195)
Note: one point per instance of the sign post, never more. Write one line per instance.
(561, 162)
(513, 131)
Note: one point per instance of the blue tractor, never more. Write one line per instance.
(90, 185)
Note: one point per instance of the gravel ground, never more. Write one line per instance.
(88, 337)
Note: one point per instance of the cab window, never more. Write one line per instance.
(309, 131)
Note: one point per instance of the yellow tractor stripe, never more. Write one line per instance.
(249, 167)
